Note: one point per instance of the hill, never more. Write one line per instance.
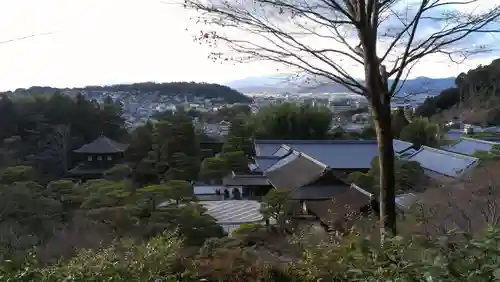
(289, 84)
(189, 89)
(474, 99)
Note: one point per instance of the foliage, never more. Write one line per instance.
(125, 261)
(433, 105)
(239, 137)
(292, 122)
(14, 174)
(236, 161)
(398, 122)
(118, 172)
(493, 154)
(422, 131)
(409, 176)
(49, 127)
(28, 217)
(68, 193)
(176, 148)
(104, 193)
(213, 170)
(275, 205)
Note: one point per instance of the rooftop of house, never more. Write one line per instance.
(468, 146)
(245, 180)
(294, 171)
(336, 154)
(343, 206)
(441, 162)
(102, 145)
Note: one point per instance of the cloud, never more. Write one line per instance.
(114, 41)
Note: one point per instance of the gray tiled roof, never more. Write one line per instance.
(469, 146)
(102, 145)
(444, 162)
(245, 180)
(337, 154)
(265, 162)
(294, 171)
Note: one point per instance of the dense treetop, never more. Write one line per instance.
(204, 90)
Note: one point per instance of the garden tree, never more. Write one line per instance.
(53, 150)
(190, 220)
(68, 193)
(398, 122)
(28, 218)
(236, 161)
(140, 142)
(409, 176)
(183, 167)
(176, 190)
(448, 98)
(384, 39)
(239, 137)
(177, 148)
(422, 131)
(213, 170)
(105, 193)
(118, 172)
(292, 122)
(14, 174)
(275, 205)
(148, 170)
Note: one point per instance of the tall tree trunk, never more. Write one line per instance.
(387, 193)
(381, 111)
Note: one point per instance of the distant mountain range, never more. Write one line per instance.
(277, 84)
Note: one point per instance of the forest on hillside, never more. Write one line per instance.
(190, 89)
(474, 99)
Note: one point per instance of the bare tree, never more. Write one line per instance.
(331, 39)
(467, 206)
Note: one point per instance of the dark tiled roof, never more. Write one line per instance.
(102, 145)
(294, 171)
(337, 154)
(469, 146)
(318, 192)
(343, 206)
(245, 180)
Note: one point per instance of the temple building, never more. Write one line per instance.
(96, 157)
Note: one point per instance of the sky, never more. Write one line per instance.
(96, 42)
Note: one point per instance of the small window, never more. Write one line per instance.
(109, 158)
(99, 158)
(89, 158)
